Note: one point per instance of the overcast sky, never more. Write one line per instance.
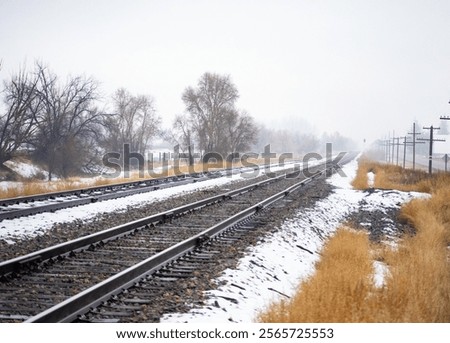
(363, 68)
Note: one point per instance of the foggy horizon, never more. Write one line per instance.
(364, 69)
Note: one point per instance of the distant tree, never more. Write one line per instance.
(17, 124)
(67, 122)
(182, 136)
(340, 142)
(305, 143)
(287, 141)
(217, 124)
(134, 122)
(242, 131)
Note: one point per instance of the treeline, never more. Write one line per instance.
(67, 126)
(300, 143)
(61, 126)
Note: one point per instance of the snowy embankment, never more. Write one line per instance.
(273, 269)
(19, 228)
(26, 170)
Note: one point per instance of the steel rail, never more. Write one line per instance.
(72, 307)
(89, 200)
(138, 183)
(86, 190)
(117, 191)
(82, 243)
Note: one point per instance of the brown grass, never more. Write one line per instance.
(33, 187)
(417, 288)
(394, 177)
(339, 289)
(38, 187)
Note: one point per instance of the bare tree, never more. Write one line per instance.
(287, 141)
(66, 123)
(242, 131)
(17, 123)
(216, 122)
(183, 132)
(134, 122)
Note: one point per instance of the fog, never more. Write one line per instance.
(362, 68)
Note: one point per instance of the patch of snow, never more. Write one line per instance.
(26, 170)
(34, 225)
(380, 272)
(4, 185)
(370, 179)
(39, 223)
(274, 268)
(382, 200)
(271, 270)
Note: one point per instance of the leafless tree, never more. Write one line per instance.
(134, 122)
(66, 123)
(287, 141)
(182, 126)
(242, 131)
(217, 124)
(17, 124)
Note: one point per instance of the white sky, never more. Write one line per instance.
(363, 68)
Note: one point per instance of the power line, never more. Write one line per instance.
(431, 140)
(398, 147)
(386, 145)
(405, 143)
(414, 142)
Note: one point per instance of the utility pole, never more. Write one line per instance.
(431, 140)
(446, 155)
(385, 145)
(398, 147)
(404, 152)
(405, 143)
(393, 149)
(394, 143)
(414, 134)
(388, 147)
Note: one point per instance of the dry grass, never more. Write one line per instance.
(339, 289)
(417, 288)
(33, 187)
(394, 177)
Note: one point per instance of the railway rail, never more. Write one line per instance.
(17, 207)
(80, 280)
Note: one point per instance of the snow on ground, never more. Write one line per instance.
(273, 269)
(36, 224)
(370, 179)
(12, 229)
(381, 270)
(25, 170)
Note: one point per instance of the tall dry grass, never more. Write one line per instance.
(393, 177)
(417, 287)
(339, 289)
(33, 187)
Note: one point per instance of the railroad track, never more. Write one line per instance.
(65, 282)
(34, 204)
